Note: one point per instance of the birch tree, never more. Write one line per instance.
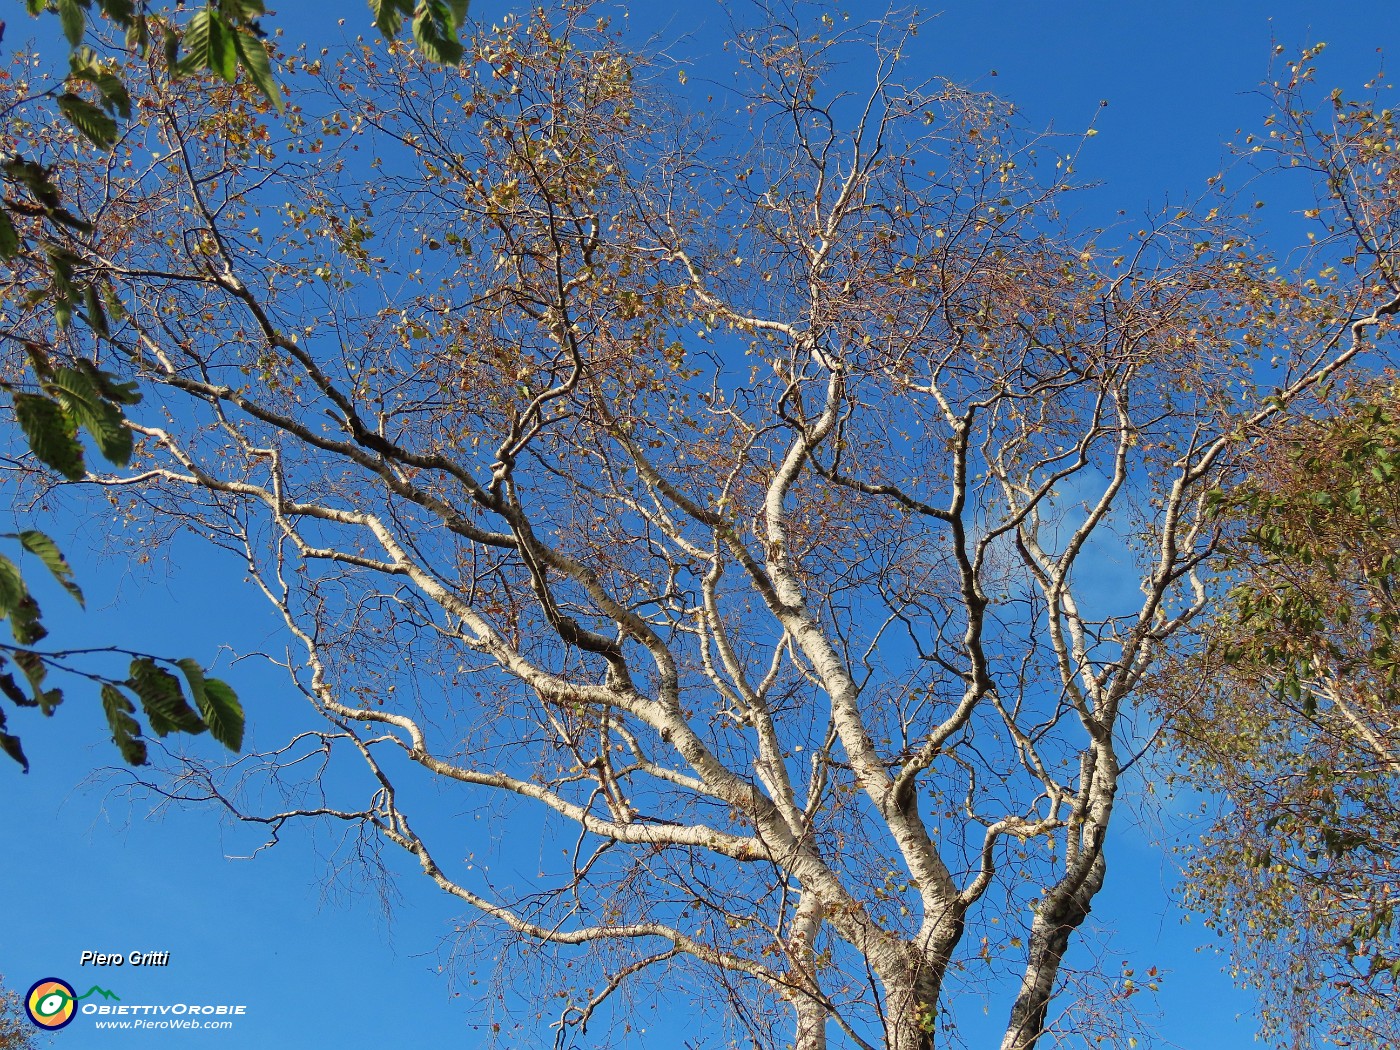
(778, 513)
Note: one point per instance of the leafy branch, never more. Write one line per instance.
(221, 39)
(212, 704)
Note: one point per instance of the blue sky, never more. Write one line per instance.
(315, 960)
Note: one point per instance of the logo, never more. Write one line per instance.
(52, 1003)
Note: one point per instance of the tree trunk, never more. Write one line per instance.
(811, 1023)
(1058, 916)
(914, 988)
(910, 1014)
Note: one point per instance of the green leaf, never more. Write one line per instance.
(115, 310)
(43, 548)
(196, 41)
(70, 220)
(12, 588)
(242, 12)
(51, 434)
(162, 699)
(126, 732)
(231, 719)
(172, 52)
(217, 702)
(388, 16)
(253, 55)
(9, 237)
(97, 126)
(24, 622)
(96, 316)
(11, 688)
(223, 51)
(73, 19)
(86, 67)
(84, 403)
(33, 177)
(9, 743)
(138, 38)
(108, 384)
(121, 12)
(63, 267)
(34, 668)
(435, 32)
(208, 45)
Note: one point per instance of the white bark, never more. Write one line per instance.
(798, 650)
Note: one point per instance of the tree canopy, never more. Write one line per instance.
(219, 40)
(1289, 711)
(730, 497)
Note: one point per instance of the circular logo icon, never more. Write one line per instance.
(51, 1003)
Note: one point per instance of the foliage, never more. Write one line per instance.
(54, 403)
(158, 691)
(727, 499)
(16, 1033)
(51, 413)
(219, 39)
(66, 400)
(61, 399)
(1293, 719)
(434, 23)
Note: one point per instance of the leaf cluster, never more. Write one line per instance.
(220, 38)
(434, 24)
(202, 703)
(1319, 555)
(1289, 712)
(70, 399)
